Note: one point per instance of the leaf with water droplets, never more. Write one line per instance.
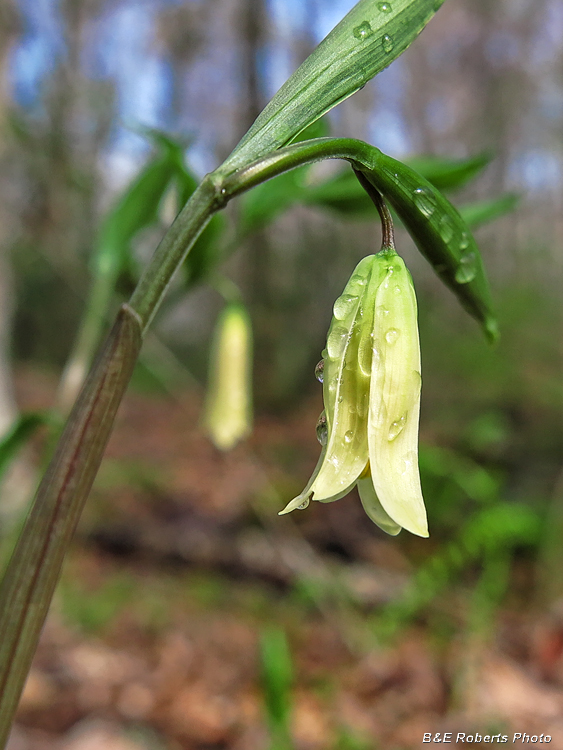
(440, 234)
(366, 41)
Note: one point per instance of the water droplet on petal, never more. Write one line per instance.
(409, 459)
(358, 280)
(397, 290)
(446, 228)
(349, 436)
(319, 370)
(425, 201)
(336, 342)
(464, 241)
(392, 335)
(363, 404)
(387, 43)
(363, 31)
(322, 429)
(344, 305)
(304, 504)
(467, 269)
(384, 7)
(396, 428)
(364, 355)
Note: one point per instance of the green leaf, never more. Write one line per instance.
(366, 41)
(448, 174)
(343, 193)
(260, 206)
(440, 234)
(265, 202)
(475, 214)
(136, 209)
(17, 437)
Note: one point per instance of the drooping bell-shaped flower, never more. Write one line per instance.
(228, 408)
(371, 392)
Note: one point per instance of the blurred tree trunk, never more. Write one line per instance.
(16, 485)
(259, 250)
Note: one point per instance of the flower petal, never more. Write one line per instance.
(302, 500)
(395, 400)
(347, 371)
(374, 509)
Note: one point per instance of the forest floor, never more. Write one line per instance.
(181, 565)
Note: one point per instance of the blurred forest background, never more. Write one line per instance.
(189, 615)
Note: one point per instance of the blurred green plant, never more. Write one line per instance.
(276, 670)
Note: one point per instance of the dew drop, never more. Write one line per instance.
(304, 504)
(363, 31)
(382, 311)
(467, 268)
(392, 335)
(364, 355)
(319, 370)
(344, 305)
(397, 290)
(358, 280)
(336, 342)
(362, 405)
(409, 460)
(384, 7)
(464, 241)
(349, 436)
(387, 43)
(322, 429)
(446, 228)
(424, 201)
(396, 428)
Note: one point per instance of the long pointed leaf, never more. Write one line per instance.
(366, 41)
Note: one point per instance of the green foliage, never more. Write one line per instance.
(277, 678)
(488, 537)
(92, 610)
(19, 434)
(482, 212)
(449, 174)
(440, 234)
(366, 41)
(344, 195)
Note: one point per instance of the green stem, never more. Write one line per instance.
(387, 231)
(34, 568)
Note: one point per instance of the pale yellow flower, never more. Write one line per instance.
(371, 392)
(228, 409)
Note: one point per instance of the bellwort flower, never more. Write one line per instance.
(228, 408)
(371, 391)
